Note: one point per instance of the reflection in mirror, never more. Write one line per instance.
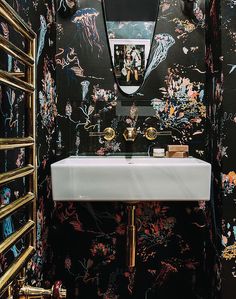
(130, 27)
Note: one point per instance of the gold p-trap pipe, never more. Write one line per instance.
(131, 237)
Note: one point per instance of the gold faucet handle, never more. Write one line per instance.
(151, 133)
(108, 134)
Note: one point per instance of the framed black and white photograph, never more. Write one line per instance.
(129, 59)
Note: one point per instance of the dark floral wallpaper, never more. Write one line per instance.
(83, 244)
(227, 147)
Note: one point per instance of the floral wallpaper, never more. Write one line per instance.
(83, 244)
(227, 148)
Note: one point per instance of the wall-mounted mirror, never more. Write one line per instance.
(130, 27)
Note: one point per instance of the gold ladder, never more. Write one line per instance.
(24, 82)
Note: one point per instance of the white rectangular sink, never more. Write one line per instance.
(130, 179)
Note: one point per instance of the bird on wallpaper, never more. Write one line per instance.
(7, 224)
(42, 34)
(163, 42)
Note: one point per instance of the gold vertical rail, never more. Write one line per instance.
(26, 82)
(33, 151)
(131, 236)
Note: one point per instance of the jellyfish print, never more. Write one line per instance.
(163, 42)
(85, 86)
(85, 20)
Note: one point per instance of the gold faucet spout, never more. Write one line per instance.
(130, 134)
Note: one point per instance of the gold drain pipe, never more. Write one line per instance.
(131, 237)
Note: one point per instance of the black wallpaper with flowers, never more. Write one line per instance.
(83, 244)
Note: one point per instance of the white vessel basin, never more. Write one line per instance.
(130, 179)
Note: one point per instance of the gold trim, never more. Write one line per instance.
(16, 205)
(15, 82)
(16, 174)
(11, 49)
(16, 267)
(11, 16)
(16, 236)
(11, 143)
